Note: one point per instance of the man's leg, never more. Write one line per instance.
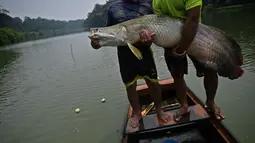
(134, 102)
(181, 88)
(178, 67)
(149, 71)
(156, 96)
(211, 85)
(128, 76)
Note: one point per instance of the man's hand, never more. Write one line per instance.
(178, 54)
(146, 36)
(95, 43)
(171, 51)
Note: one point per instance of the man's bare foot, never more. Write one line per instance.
(182, 112)
(134, 121)
(163, 116)
(215, 110)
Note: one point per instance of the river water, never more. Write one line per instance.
(41, 84)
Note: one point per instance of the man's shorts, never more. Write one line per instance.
(132, 69)
(178, 67)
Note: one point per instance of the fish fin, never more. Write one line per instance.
(135, 51)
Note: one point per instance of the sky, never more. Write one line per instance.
(50, 9)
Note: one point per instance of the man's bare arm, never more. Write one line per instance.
(189, 29)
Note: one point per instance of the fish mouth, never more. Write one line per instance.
(102, 37)
(104, 40)
(93, 37)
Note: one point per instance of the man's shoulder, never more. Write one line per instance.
(119, 3)
(146, 1)
(116, 3)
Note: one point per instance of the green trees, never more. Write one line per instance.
(9, 36)
(14, 30)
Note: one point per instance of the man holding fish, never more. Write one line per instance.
(176, 58)
(131, 68)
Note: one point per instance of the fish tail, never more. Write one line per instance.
(232, 45)
(237, 57)
(237, 50)
(237, 73)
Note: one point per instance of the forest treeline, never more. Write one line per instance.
(14, 30)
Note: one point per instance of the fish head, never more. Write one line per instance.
(109, 36)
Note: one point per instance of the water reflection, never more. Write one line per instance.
(6, 59)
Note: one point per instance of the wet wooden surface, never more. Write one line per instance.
(152, 122)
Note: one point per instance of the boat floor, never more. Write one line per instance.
(151, 122)
(193, 128)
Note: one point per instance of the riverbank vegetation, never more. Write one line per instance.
(6, 57)
(14, 30)
(9, 36)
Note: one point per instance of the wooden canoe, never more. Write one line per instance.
(198, 127)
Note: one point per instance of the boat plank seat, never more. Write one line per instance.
(150, 122)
